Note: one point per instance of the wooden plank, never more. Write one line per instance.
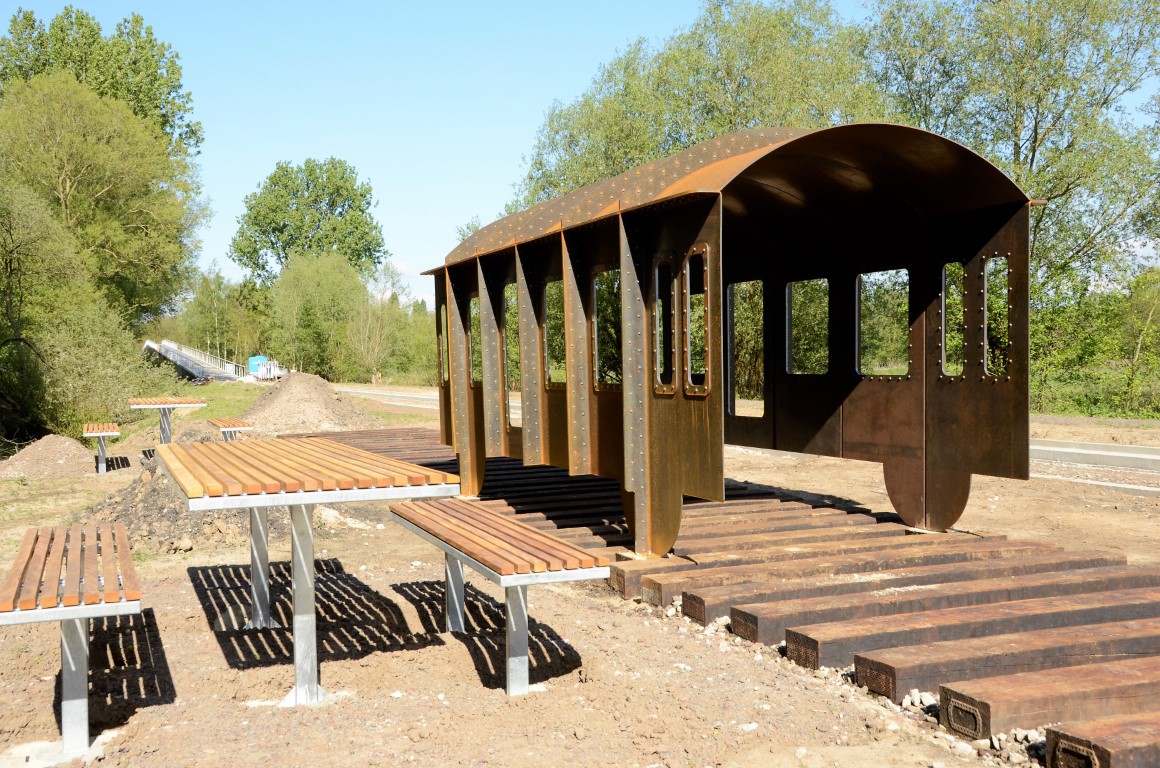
(867, 573)
(483, 540)
(50, 587)
(506, 533)
(834, 644)
(329, 477)
(408, 474)
(15, 576)
(424, 520)
(91, 585)
(129, 582)
(30, 590)
(1128, 741)
(287, 465)
(258, 478)
(876, 553)
(212, 484)
(190, 485)
(891, 672)
(112, 585)
(232, 484)
(850, 527)
(74, 567)
(287, 479)
(766, 622)
(243, 479)
(366, 474)
(976, 709)
(546, 543)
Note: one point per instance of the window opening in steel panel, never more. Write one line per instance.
(663, 296)
(998, 317)
(606, 328)
(954, 319)
(511, 353)
(808, 322)
(555, 341)
(747, 348)
(444, 351)
(475, 341)
(884, 323)
(696, 325)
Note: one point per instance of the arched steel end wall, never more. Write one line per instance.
(773, 206)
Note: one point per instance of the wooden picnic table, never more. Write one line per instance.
(165, 406)
(297, 474)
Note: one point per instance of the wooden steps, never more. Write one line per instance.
(976, 709)
(891, 672)
(1131, 741)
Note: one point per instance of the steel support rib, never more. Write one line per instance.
(259, 572)
(516, 605)
(101, 454)
(453, 595)
(306, 688)
(74, 685)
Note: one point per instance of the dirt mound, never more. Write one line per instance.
(158, 518)
(49, 458)
(302, 402)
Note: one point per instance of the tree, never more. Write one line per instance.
(130, 65)
(130, 205)
(316, 207)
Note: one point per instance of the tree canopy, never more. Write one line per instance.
(313, 208)
(130, 64)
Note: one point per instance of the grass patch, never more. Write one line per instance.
(225, 400)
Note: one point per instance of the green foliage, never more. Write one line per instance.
(884, 323)
(317, 207)
(128, 204)
(809, 340)
(749, 338)
(130, 65)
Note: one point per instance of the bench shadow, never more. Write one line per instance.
(112, 463)
(353, 620)
(549, 655)
(128, 670)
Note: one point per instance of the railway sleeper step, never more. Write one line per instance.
(891, 672)
(883, 553)
(834, 644)
(976, 709)
(825, 529)
(1129, 741)
(705, 604)
(766, 622)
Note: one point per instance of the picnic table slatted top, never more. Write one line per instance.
(67, 566)
(101, 429)
(231, 423)
(498, 541)
(278, 465)
(163, 402)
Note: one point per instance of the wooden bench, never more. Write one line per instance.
(101, 430)
(504, 550)
(71, 575)
(231, 427)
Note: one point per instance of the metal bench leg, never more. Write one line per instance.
(306, 687)
(259, 572)
(229, 435)
(166, 428)
(100, 455)
(516, 604)
(453, 595)
(74, 685)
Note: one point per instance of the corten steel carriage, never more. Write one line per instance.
(763, 205)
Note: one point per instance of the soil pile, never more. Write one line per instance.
(50, 458)
(158, 518)
(302, 402)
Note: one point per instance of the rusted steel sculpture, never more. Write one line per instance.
(763, 211)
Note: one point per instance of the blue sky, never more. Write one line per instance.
(434, 103)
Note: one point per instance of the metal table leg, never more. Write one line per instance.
(259, 572)
(74, 685)
(229, 435)
(100, 454)
(516, 608)
(306, 688)
(166, 428)
(453, 595)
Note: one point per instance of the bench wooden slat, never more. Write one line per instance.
(229, 424)
(273, 471)
(418, 517)
(328, 478)
(73, 568)
(11, 587)
(129, 580)
(215, 462)
(364, 473)
(312, 479)
(105, 428)
(431, 476)
(210, 483)
(480, 530)
(473, 542)
(50, 588)
(575, 556)
(232, 485)
(92, 588)
(556, 560)
(401, 474)
(30, 590)
(244, 465)
(181, 474)
(112, 586)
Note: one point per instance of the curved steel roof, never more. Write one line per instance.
(930, 174)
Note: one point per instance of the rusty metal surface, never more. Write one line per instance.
(773, 206)
(1130, 741)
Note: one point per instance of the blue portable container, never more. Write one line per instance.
(255, 362)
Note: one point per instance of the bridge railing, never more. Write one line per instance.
(213, 361)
